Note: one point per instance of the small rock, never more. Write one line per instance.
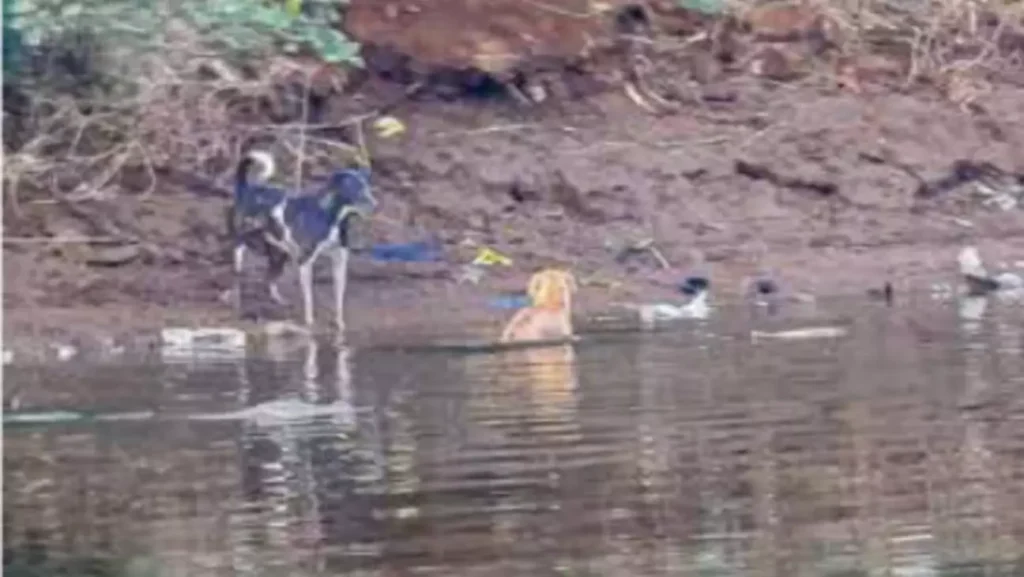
(470, 274)
(113, 255)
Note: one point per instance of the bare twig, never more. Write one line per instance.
(21, 240)
(301, 156)
(364, 154)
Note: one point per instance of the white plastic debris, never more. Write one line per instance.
(970, 262)
(1004, 197)
(219, 342)
(43, 417)
(281, 412)
(65, 352)
(470, 274)
(824, 332)
(8, 357)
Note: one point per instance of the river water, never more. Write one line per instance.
(896, 448)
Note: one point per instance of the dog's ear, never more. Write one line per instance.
(535, 285)
(326, 200)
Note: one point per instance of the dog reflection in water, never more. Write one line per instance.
(549, 316)
(549, 372)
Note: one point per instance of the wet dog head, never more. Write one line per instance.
(552, 288)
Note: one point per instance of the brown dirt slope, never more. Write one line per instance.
(571, 180)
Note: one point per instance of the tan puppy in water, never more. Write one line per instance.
(549, 316)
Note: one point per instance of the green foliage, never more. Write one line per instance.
(234, 28)
(12, 43)
(713, 7)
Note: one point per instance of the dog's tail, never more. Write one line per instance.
(267, 169)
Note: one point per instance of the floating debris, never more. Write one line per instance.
(470, 274)
(279, 412)
(799, 334)
(65, 352)
(284, 329)
(126, 416)
(8, 357)
(179, 342)
(43, 417)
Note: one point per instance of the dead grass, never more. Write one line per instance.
(163, 114)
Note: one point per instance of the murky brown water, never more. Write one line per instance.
(897, 449)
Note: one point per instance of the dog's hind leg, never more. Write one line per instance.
(339, 260)
(275, 269)
(306, 283)
(234, 293)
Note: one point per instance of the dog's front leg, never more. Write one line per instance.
(340, 268)
(234, 293)
(306, 283)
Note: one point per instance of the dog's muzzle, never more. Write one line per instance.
(367, 205)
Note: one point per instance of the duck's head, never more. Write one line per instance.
(694, 285)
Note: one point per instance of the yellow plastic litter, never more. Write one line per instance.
(362, 160)
(490, 257)
(388, 126)
(293, 7)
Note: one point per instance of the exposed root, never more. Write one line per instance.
(633, 93)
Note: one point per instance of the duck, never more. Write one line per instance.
(697, 288)
(979, 281)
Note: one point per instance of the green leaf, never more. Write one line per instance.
(272, 19)
(704, 6)
(293, 7)
(342, 51)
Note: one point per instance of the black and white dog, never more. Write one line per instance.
(298, 229)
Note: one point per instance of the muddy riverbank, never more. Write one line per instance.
(803, 181)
